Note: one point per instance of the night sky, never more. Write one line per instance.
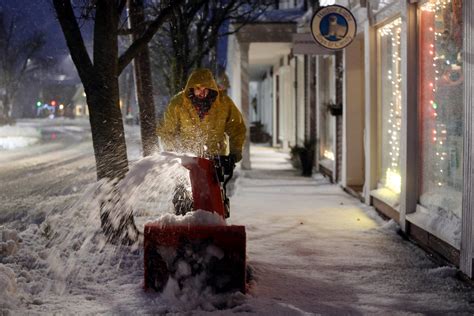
(40, 15)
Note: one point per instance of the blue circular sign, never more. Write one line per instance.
(333, 27)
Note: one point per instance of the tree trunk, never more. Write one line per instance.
(102, 92)
(100, 78)
(144, 83)
(108, 137)
(107, 129)
(6, 106)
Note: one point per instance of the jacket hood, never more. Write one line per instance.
(203, 77)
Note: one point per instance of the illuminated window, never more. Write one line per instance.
(328, 95)
(390, 104)
(441, 105)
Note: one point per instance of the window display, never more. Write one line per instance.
(328, 121)
(390, 104)
(441, 106)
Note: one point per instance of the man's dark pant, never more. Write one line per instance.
(182, 200)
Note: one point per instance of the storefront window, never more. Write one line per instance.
(328, 121)
(390, 104)
(441, 106)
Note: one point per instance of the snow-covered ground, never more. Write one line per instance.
(313, 249)
(17, 136)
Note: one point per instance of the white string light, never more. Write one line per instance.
(392, 32)
(438, 131)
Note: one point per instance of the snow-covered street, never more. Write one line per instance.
(313, 249)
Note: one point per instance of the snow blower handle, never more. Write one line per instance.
(224, 167)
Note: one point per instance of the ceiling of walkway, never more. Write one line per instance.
(267, 53)
(262, 56)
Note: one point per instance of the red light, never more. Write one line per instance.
(53, 103)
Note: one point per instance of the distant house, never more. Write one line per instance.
(79, 102)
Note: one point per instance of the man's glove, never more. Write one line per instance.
(236, 156)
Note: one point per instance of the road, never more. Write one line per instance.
(61, 164)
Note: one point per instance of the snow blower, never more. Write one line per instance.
(213, 254)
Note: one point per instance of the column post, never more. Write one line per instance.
(466, 261)
(371, 124)
(409, 149)
(244, 79)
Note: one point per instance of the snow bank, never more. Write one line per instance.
(443, 272)
(8, 242)
(443, 199)
(7, 288)
(387, 196)
(439, 222)
(12, 137)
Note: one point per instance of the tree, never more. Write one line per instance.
(99, 77)
(16, 53)
(189, 38)
(144, 84)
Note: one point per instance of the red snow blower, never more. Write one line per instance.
(213, 254)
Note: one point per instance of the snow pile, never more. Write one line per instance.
(12, 137)
(443, 199)
(9, 242)
(7, 288)
(199, 217)
(387, 196)
(443, 272)
(441, 223)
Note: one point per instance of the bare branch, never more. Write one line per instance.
(127, 31)
(121, 6)
(137, 45)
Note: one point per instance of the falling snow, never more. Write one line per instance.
(311, 248)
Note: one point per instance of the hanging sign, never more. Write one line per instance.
(333, 27)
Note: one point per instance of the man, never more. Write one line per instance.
(203, 121)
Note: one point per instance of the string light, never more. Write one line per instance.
(392, 32)
(328, 155)
(439, 129)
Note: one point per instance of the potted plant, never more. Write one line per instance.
(258, 134)
(334, 108)
(302, 157)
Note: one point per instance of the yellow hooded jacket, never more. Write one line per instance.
(182, 130)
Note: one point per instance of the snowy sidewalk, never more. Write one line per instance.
(316, 250)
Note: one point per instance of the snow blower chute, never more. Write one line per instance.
(214, 254)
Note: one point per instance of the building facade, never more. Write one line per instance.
(391, 113)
